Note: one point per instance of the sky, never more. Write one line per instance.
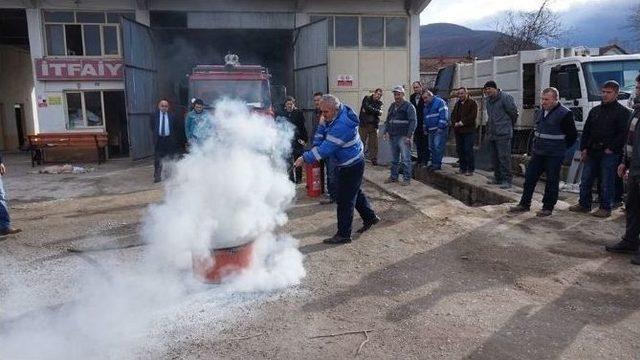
(577, 16)
(476, 12)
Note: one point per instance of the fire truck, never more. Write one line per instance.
(248, 83)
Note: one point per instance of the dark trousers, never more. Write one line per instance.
(350, 196)
(464, 147)
(422, 146)
(501, 159)
(539, 164)
(331, 177)
(295, 173)
(605, 165)
(632, 206)
(165, 147)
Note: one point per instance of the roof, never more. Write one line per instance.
(434, 64)
(613, 48)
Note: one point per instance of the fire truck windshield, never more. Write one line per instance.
(253, 92)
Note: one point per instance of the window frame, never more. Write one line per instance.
(85, 125)
(102, 25)
(332, 22)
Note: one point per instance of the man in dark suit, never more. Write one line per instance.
(166, 131)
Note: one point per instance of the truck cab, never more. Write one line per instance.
(248, 83)
(580, 78)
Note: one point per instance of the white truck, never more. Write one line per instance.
(577, 73)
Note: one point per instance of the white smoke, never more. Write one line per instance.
(229, 191)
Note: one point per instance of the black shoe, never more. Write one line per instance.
(622, 247)
(544, 213)
(374, 162)
(156, 180)
(10, 231)
(518, 209)
(368, 224)
(337, 239)
(635, 259)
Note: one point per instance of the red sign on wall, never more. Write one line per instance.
(79, 69)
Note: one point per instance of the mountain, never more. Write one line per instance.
(443, 39)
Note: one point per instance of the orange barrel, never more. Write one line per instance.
(221, 263)
(314, 179)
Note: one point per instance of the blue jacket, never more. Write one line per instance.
(436, 114)
(198, 126)
(338, 140)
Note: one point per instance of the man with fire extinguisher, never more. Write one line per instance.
(343, 145)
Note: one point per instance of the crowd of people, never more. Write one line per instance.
(609, 145)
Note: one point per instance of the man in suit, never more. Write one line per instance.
(166, 136)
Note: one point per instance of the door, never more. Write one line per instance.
(310, 64)
(19, 123)
(140, 84)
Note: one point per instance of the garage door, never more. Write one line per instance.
(310, 66)
(141, 87)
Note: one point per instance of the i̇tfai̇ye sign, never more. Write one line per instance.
(79, 69)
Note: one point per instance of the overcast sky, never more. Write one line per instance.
(473, 12)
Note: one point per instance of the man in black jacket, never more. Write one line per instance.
(555, 133)
(602, 142)
(300, 137)
(420, 139)
(167, 134)
(370, 113)
(630, 168)
(5, 221)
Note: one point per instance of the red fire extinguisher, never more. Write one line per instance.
(314, 179)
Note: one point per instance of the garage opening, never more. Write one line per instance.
(179, 50)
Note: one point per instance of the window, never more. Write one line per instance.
(566, 79)
(168, 19)
(55, 39)
(80, 33)
(314, 18)
(622, 71)
(84, 109)
(347, 31)
(110, 40)
(396, 32)
(372, 31)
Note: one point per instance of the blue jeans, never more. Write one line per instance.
(5, 221)
(539, 164)
(400, 151)
(331, 177)
(464, 147)
(605, 165)
(350, 196)
(437, 142)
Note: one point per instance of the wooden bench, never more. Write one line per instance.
(38, 144)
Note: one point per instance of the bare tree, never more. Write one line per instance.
(527, 30)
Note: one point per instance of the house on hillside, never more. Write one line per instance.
(612, 49)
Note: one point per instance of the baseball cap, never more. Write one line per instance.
(398, 88)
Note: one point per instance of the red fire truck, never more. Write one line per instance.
(249, 83)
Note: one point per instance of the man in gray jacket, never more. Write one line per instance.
(398, 129)
(502, 113)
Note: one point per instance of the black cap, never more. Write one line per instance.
(198, 102)
(490, 84)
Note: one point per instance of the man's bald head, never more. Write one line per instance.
(163, 105)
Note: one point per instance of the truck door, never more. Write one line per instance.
(568, 79)
(141, 87)
(310, 64)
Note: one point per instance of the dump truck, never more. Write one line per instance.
(248, 83)
(578, 73)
